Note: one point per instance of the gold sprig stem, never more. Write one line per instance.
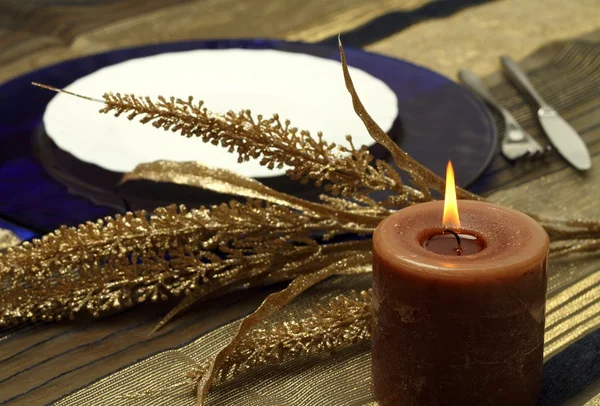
(58, 90)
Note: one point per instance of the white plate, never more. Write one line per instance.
(308, 90)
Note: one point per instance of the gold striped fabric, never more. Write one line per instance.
(573, 307)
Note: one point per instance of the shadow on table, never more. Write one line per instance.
(394, 22)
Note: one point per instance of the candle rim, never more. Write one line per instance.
(471, 265)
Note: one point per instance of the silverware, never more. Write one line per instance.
(516, 142)
(564, 138)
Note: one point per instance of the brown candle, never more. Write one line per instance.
(456, 328)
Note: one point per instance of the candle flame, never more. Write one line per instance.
(450, 218)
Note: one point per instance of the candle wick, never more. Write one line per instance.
(459, 245)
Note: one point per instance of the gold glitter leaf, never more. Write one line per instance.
(116, 262)
(342, 169)
(273, 303)
(421, 176)
(224, 181)
(342, 322)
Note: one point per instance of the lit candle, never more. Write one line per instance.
(458, 305)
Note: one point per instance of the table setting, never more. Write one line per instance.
(371, 203)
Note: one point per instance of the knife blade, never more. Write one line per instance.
(564, 137)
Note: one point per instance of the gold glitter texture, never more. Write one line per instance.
(274, 302)
(116, 262)
(342, 322)
(343, 170)
(224, 181)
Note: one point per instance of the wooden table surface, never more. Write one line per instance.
(441, 35)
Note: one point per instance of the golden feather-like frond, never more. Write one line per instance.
(342, 322)
(353, 263)
(343, 170)
(116, 262)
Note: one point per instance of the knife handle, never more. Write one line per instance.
(520, 79)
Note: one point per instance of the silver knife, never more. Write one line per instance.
(564, 138)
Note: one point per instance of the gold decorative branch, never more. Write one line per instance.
(342, 322)
(342, 169)
(560, 229)
(355, 263)
(116, 262)
(423, 178)
(8, 239)
(299, 263)
(224, 181)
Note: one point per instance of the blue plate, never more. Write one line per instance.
(42, 186)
